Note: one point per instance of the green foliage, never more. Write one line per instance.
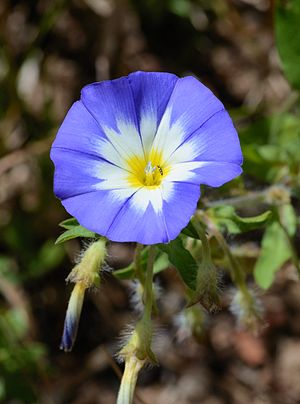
(190, 231)
(288, 219)
(47, 258)
(18, 361)
(287, 19)
(74, 231)
(225, 217)
(271, 148)
(275, 251)
(182, 260)
(161, 263)
(69, 223)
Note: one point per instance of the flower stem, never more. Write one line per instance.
(126, 392)
(137, 351)
(137, 263)
(148, 291)
(206, 257)
(237, 274)
(248, 199)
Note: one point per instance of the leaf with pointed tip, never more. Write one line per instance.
(74, 232)
(182, 260)
(69, 223)
(190, 231)
(224, 216)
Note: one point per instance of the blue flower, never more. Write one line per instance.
(131, 154)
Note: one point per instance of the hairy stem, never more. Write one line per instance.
(148, 291)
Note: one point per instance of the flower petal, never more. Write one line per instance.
(79, 131)
(158, 88)
(179, 208)
(141, 218)
(209, 173)
(216, 140)
(97, 210)
(190, 106)
(151, 216)
(216, 174)
(79, 176)
(110, 102)
(112, 105)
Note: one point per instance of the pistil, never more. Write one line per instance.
(150, 172)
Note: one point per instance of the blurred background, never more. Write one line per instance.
(49, 49)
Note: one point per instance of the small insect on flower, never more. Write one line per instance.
(132, 153)
(160, 170)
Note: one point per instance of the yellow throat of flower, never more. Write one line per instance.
(147, 170)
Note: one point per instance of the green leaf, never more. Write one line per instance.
(287, 31)
(125, 273)
(69, 223)
(182, 260)
(161, 263)
(224, 216)
(275, 251)
(288, 218)
(74, 232)
(190, 231)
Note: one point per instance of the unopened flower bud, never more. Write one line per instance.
(207, 287)
(85, 274)
(87, 270)
(72, 317)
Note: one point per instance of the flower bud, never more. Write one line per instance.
(72, 317)
(207, 287)
(85, 274)
(87, 270)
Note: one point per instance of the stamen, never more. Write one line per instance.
(150, 172)
(150, 175)
(149, 168)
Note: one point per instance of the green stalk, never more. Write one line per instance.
(148, 291)
(237, 275)
(129, 379)
(137, 351)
